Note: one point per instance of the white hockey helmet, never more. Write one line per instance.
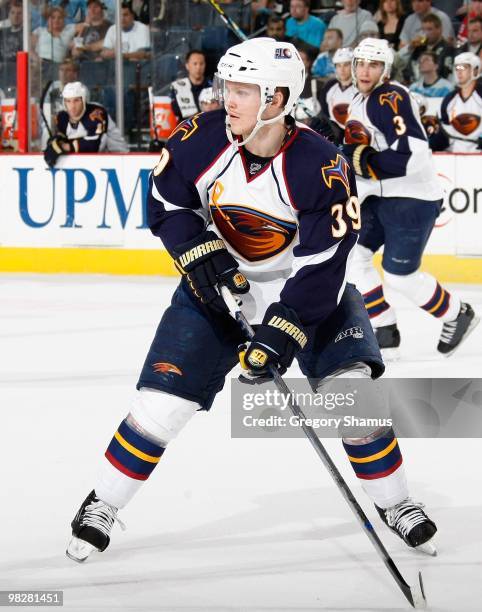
(75, 90)
(374, 50)
(267, 63)
(343, 55)
(470, 59)
(206, 95)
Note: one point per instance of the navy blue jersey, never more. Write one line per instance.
(291, 225)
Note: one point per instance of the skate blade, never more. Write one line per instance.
(79, 550)
(427, 548)
(390, 354)
(470, 329)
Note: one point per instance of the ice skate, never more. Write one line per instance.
(388, 338)
(409, 522)
(455, 332)
(91, 528)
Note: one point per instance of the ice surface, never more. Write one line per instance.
(222, 524)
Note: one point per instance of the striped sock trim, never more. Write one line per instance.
(375, 302)
(132, 454)
(439, 303)
(376, 459)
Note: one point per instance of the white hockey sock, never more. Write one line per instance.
(425, 291)
(369, 283)
(377, 462)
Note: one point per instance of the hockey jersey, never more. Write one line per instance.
(291, 225)
(461, 120)
(95, 131)
(388, 120)
(336, 100)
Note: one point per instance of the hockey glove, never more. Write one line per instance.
(359, 155)
(327, 128)
(275, 342)
(205, 262)
(56, 146)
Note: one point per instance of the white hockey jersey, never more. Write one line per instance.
(461, 120)
(336, 100)
(388, 120)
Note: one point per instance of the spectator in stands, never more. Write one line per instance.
(323, 65)
(83, 127)
(53, 42)
(435, 42)
(474, 37)
(89, 42)
(449, 7)
(141, 9)
(350, 20)
(185, 92)
(471, 10)
(276, 28)
(412, 32)
(74, 10)
(390, 24)
(308, 105)
(368, 30)
(303, 26)
(11, 37)
(136, 42)
(430, 84)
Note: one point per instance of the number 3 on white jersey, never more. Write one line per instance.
(400, 127)
(352, 209)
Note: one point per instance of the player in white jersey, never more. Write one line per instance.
(246, 197)
(401, 198)
(336, 97)
(459, 129)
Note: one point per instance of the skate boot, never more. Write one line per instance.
(455, 332)
(91, 528)
(388, 338)
(409, 522)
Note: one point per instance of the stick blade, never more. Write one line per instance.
(418, 594)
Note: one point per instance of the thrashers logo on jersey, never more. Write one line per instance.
(356, 133)
(392, 98)
(188, 127)
(337, 170)
(255, 235)
(465, 123)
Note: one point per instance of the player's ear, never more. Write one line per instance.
(278, 98)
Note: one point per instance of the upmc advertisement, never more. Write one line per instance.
(99, 202)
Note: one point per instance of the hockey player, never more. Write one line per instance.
(390, 155)
(337, 94)
(268, 208)
(459, 127)
(83, 127)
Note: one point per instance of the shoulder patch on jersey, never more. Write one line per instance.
(162, 163)
(336, 170)
(187, 127)
(97, 114)
(392, 98)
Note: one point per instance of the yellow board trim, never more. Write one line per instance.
(134, 450)
(447, 268)
(376, 456)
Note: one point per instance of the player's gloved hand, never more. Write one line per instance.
(205, 262)
(431, 124)
(275, 342)
(359, 155)
(56, 146)
(327, 128)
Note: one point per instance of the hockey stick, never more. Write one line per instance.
(42, 101)
(228, 22)
(415, 595)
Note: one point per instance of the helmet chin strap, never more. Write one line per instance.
(259, 124)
